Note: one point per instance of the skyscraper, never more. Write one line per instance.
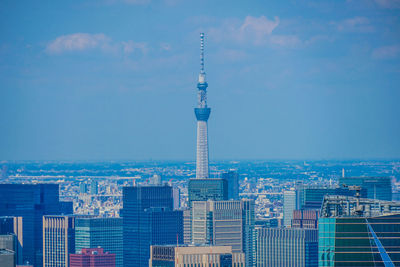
(8, 250)
(94, 187)
(7, 258)
(207, 189)
(100, 232)
(202, 114)
(305, 219)
(289, 205)
(218, 256)
(148, 219)
(11, 227)
(58, 240)
(187, 226)
(376, 187)
(310, 197)
(82, 188)
(225, 223)
(359, 232)
(249, 234)
(287, 247)
(31, 202)
(232, 178)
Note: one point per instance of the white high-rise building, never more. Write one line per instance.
(289, 205)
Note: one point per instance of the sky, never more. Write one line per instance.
(116, 79)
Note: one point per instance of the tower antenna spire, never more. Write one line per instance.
(202, 53)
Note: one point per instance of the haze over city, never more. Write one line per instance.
(111, 80)
(161, 133)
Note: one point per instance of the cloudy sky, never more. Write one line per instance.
(116, 79)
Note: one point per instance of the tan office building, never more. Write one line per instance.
(186, 256)
(58, 240)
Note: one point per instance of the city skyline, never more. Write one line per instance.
(92, 80)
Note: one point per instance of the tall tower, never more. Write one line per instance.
(202, 114)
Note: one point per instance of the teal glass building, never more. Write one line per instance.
(351, 241)
(106, 233)
(359, 232)
(207, 189)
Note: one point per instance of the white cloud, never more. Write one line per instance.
(356, 24)
(76, 42)
(130, 46)
(253, 30)
(388, 3)
(285, 40)
(257, 28)
(386, 52)
(86, 41)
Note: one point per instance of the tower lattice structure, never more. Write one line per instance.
(202, 112)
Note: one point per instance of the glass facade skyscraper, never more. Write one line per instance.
(359, 241)
(207, 189)
(12, 226)
(249, 234)
(310, 197)
(106, 233)
(148, 219)
(359, 232)
(376, 187)
(32, 202)
(232, 178)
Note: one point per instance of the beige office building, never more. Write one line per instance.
(218, 223)
(58, 240)
(187, 256)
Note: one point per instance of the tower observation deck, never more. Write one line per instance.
(202, 114)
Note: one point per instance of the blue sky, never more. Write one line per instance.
(116, 79)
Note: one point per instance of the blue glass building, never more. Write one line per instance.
(376, 187)
(311, 197)
(148, 219)
(32, 202)
(232, 178)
